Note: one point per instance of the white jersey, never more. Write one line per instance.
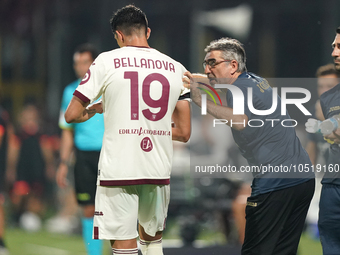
(140, 88)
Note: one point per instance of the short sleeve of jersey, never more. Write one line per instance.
(330, 102)
(67, 96)
(185, 94)
(92, 85)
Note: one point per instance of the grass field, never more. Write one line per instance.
(43, 243)
(309, 246)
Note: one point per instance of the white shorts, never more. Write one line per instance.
(117, 209)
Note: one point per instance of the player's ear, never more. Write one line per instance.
(148, 32)
(120, 36)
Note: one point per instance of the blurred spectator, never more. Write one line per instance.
(207, 148)
(329, 206)
(30, 169)
(317, 148)
(86, 140)
(239, 210)
(233, 219)
(4, 126)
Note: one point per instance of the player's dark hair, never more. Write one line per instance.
(326, 70)
(128, 19)
(231, 49)
(338, 30)
(87, 47)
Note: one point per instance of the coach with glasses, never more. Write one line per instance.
(277, 207)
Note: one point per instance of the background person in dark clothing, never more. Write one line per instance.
(329, 214)
(3, 155)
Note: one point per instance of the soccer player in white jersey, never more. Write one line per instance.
(142, 91)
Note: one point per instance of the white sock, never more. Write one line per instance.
(151, 247)
(125, 251)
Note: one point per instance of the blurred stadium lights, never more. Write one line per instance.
(38, 38)
(235, 22)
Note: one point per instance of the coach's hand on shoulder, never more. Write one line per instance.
(189, 79)
(186, 79)
(193, 82)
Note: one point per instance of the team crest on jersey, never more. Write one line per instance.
(146, 144)
(86, 77)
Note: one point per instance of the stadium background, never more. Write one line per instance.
(37, 38)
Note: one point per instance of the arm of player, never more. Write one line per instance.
(76, 111)
(181, 130)
(239, 122)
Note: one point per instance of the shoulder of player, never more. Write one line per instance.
(170, 58)
(330, 102)
(118, 51)
(167, 58)
(125, 51)
(246, 79)
(110, 52)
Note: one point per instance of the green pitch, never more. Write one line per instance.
(20, 242)
(43, 243)
(309, 246)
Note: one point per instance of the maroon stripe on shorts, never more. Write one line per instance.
(95, 233)
(135, 182)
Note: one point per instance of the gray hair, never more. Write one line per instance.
(231, 49)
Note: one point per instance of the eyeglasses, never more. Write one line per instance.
(211, 63)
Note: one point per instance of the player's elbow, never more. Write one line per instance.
(185, 136)
(69, 118)
(181, 135)
(186, 139)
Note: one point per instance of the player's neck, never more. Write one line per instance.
(136, 41)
